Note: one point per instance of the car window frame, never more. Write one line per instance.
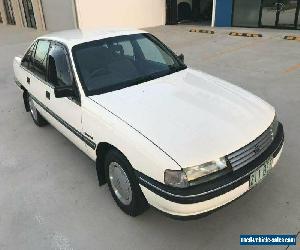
(33, 45)
(33, 71)
(76, 99)
(52, 45)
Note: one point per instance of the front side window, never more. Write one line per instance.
(59, 73)
(119, 62)
(39, 64)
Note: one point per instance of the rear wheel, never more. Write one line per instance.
(35, 114)
(123, 184)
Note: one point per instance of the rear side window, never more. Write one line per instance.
(59, 72)
(27, 59)
(39, 64)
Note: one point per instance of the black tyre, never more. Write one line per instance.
(123, 184)
(38, 119)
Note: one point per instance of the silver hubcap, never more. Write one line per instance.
(33, 109)
(120, 183)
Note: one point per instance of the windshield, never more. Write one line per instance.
(119, 62)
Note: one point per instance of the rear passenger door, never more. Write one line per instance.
(34, 64)
(65, 112)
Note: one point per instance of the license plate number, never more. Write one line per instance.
(257, 176)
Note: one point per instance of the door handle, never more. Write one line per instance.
(47, 95)
(28, 80)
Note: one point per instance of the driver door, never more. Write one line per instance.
(65, 113)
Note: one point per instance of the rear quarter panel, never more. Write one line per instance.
(18, 71)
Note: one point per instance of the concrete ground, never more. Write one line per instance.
(49, 195)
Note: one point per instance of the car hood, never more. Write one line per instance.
(192, 116)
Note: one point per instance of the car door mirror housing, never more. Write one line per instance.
(181, 58)
(64, 91)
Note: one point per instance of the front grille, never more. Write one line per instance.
(250, 152)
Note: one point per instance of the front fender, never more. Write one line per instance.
(143, 154)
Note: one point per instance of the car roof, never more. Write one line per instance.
(77, 36)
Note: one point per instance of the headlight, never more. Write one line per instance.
(176, 178)
(193, 173)
(181, 178)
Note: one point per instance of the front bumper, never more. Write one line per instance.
(206, 197)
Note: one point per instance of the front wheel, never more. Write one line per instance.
(35, 114)
(123, 184)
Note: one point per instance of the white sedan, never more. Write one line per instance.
(160, 133)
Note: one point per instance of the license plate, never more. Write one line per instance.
(257, 176)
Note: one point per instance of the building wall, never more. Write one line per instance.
(38, 14)
(58, 14)
(246, 13)
(2, 11)
(18, 10)
(129, 13)
(223, 13)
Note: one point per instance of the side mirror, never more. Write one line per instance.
(181, 58)
(64, 91)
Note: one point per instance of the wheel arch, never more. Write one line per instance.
(102, 149)
(25, 99)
